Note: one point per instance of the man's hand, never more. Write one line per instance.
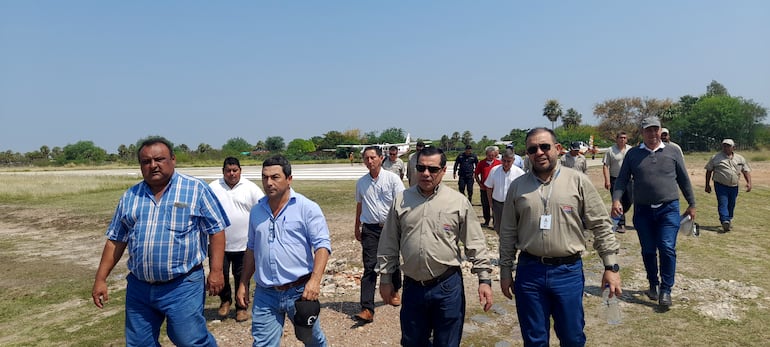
(386, 292)
(617, 209)
(242, 295)
(748, 187)
(506, 285)
(485, 296)
(312, 289)
(691, 212)
(215, 282)
(708, 189)
(607, 185)
(357, 232)
(613, 279)
(99, 293)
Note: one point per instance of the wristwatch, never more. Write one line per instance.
(487, 282)
(613, 268)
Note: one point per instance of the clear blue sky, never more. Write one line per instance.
(203, 72)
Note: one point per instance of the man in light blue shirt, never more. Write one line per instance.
(287, 251)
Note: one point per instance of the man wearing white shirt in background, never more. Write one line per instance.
(237, 197)
(498, 182)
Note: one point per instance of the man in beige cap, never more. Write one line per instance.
(726, 167)
(666, 138)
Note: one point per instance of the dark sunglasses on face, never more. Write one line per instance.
(545, 147)
(431, 169)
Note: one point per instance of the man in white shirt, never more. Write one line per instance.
(497, 184)
(237, 197)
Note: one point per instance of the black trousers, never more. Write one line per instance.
(485, 207)
(370, 238)
(464, 183)
(232, 260)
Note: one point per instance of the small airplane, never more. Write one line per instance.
(403, 147)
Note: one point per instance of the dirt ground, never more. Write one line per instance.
(337, 308)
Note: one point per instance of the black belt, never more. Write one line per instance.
(570, 259)
(375, 227)
(433, 281)
(194, 268)
(300, 281)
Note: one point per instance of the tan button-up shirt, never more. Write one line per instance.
(573, 203)
(426, 232)
(727, 170)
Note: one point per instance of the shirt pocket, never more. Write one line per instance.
(180, 219)
(293, 232)
(448, 224)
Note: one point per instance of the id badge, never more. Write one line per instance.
(545, 222)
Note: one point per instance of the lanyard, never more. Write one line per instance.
(546, 200)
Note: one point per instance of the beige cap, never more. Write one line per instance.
(728, 142)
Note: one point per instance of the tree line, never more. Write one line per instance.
(697, 123)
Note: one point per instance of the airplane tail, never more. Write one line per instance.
(408, 137)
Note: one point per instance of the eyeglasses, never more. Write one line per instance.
(431, 169)
(545, 147)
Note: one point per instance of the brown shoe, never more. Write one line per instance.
(395, 300)
(241, 315)
(224, 309)
(365, 316)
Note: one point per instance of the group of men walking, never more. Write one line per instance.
(414, 238)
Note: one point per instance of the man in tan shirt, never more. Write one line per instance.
(543, 216)
(425, 225)
(726, 168)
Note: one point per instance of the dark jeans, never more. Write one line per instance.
(485, 207)
(437, 310)
(626, 200)
(464, 183)
(497, 212)
(234, 260)
(370, 238)
(726, 197)
(657, 229)
(545, 291)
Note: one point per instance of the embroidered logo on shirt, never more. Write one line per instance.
(447, 228)
(567, 209)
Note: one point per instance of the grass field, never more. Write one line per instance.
(51, 235)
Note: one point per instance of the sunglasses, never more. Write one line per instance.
(545, 147)
(431, 169)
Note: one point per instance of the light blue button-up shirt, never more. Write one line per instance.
(284, 245)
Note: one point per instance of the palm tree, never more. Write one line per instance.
(552, 111)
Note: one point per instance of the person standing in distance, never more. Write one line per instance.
(466, 163)
(544, 216)
(573, 159)
(665, 137)
(612, 161)
(375, 193)
(498, 182)
(726, 168)
(655, 170)
(287, 251)
(394, 164)
(424, 227)
(170, 223)
(480, 174)
(411, 172)
(237, 197)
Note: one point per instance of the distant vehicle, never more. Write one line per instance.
(403, 147)
(585, 148)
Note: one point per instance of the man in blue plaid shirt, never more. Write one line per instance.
(166, 222)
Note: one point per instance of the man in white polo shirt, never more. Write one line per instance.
(237, 197)
(497, 184)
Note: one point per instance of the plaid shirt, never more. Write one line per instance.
(169, 237)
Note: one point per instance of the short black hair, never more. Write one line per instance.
(376, 149)
(151, 140)
(393, 148)
(538, 130)
(279, 160)
(432, 151)
(231, 161)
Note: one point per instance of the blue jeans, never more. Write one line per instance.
(657, 229)
(437, 310)
(269, 311)
(726, 197)
(545, 291)
(180, 301)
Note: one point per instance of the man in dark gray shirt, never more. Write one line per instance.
(657, 170)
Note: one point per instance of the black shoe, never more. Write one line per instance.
(653, 293)
(665, 299)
